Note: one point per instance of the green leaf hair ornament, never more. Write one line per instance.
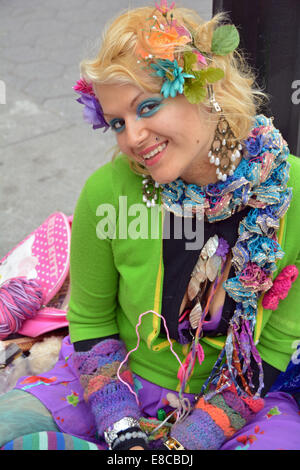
(195, 89)
(225, 39)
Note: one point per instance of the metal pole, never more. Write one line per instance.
(270, 36)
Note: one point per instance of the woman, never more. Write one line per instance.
(178, 327)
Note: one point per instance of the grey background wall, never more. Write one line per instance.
(46, 150)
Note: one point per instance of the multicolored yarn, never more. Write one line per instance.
(20, 299)
(214, 421)
(153, 428)
(260, 182)
(254, 183)
(110, 398)
(281, 287)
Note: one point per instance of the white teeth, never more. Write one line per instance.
(156, 151)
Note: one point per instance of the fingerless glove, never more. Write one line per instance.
(215, 420)
(109, 398)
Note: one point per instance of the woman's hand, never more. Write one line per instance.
(215, 420)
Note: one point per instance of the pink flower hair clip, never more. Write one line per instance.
(163, 7)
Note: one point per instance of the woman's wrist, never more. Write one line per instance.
(105, 390)
(215, 419)
(125, 434)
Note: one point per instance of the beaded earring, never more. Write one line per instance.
(224, 150)
(150, 190)
(150, 187)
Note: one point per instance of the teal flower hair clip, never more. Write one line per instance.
(172, 75)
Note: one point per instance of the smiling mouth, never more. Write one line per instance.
(156, 151)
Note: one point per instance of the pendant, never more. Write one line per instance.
(200, 268)
(213, 265)
(195, 316)
(193, 288)
(210, 247)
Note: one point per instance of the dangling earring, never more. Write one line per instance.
(150, 191)
(224, 150)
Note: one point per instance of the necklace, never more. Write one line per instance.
(209, 267)
(259, 182)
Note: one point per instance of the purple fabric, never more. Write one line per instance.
(62, 394)
(213, 323)
(277, 426)
(152, 397)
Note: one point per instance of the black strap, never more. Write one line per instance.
(87, 344)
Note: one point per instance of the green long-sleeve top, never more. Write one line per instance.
(117, 275)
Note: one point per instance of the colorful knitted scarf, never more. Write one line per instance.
(260, 182)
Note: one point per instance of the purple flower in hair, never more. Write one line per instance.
(92, 112)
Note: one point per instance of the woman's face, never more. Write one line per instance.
(170, 137)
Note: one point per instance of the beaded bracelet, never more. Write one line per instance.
(112, 432)
(128, 436)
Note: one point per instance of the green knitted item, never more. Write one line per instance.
(237, 421)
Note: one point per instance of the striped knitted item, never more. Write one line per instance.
(50, 440)
(214, 421)
(109, 398)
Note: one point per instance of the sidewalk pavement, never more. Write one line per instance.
(46, 150)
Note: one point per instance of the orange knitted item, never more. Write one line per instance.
(218, 415)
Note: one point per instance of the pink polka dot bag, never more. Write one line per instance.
(34, 280)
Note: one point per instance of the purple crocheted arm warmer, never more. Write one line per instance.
(109, 398)
(215, 420)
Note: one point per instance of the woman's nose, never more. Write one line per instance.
(136, 132)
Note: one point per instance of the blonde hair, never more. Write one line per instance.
(117, 63)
